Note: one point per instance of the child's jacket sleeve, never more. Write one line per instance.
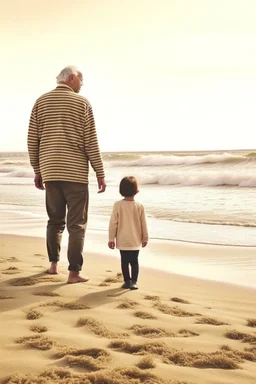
(144, 228)
(112, 229)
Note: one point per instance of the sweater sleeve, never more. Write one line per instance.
(112, 230)
(144, 228)
(33, 141)
(91, 143)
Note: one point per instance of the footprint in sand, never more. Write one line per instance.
(209, 320)
(33, 314)
(152, 298)
(24, 281)
(5, 297)
(122, 375)
(224, 358)
(104, 284)
(34, 280)
(99, 329)
(151, 332)
(243, 337)
(12, 259)
(45, 293)
(127, 304)
(70, 305)
(187, 333)
(179, 300)
(38, 328)
(251, 323)
(11, 271)
(43, 343)
(146, 362)
(168, 310)
(144, 315)
(174, 311)
(92, 359)
(114, 279)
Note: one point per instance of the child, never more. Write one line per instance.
(129, 227)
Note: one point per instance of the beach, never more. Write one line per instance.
(174, 329)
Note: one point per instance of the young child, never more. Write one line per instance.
(129, 227)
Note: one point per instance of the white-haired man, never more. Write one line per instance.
(62, 140)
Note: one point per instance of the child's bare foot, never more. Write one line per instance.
(75, 277)
(53, 270)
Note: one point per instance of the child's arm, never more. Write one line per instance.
(112, 229)
(144, 228)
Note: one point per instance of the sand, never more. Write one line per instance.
(174, 329)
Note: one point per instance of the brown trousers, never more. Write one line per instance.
(73, 197)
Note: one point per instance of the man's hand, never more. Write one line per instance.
(111, 244)
(144, 243)
(38, 181)
(101, 184)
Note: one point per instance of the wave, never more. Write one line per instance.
(20, 173)
(6, 170)
(218, 243)
(211, 179)
(120, 156)
(211, 221)
(163, 160)
(14, 162)
(175, 177)
(150, 159)
(251, 154)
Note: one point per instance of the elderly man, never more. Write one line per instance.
(62, 140)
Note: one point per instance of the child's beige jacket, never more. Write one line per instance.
(128, 225)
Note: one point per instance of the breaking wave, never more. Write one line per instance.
(203, 178)
(163, 160)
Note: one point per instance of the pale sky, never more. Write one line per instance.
(160, 74)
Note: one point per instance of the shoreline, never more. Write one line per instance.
(218, 263)
(33, 219)
(106, 257)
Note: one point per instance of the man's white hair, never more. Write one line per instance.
(64, 74)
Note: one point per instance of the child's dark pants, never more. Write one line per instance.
(130, 258)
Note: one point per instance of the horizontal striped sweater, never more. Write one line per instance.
(62, 138)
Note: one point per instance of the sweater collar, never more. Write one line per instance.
(65, 86)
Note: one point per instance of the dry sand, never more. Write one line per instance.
(174, 329)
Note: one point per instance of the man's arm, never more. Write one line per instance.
(33, 148)
(92, 148)
(101, 184)
(144, 228)
(33, 141)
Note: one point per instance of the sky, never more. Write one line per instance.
(160, 74)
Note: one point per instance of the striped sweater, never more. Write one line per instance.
(62, 138)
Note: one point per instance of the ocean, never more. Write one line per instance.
(200, 197)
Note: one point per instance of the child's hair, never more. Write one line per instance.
(128, 186)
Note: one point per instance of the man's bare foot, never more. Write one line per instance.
(53, 270)
(75, 277)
